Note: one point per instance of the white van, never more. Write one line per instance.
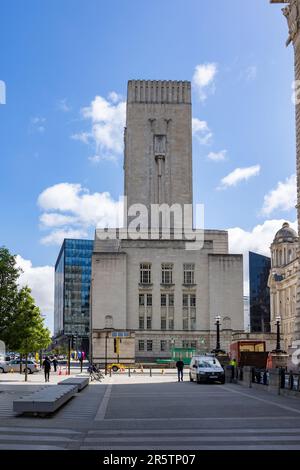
(206, 369)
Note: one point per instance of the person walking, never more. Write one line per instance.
(180, 366)
(47, 368)
(55, 362)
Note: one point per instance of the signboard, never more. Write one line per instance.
(120, 334)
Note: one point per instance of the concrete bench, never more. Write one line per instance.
(46, 400)
(80, 382)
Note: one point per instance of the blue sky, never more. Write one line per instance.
(57, 56)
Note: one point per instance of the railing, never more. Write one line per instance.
(260, 376)
(290, 381)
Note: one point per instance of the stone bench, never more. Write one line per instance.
(46, 400)
(80, 382)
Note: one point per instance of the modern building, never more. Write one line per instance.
(283, 282)
(72, 291)
(155, 288)
(259, 269)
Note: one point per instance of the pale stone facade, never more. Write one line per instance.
(164, 294)
(292, 14)
(283, 283)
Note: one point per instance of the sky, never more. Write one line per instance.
(65, 65)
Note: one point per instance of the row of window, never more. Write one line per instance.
(167, 311)
(167, 273)
(167, 300)
(164, 345)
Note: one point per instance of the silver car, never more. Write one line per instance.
(15, 366)
(4, 367)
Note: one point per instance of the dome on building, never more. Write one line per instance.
(286, 234)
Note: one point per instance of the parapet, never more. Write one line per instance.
(159, 91)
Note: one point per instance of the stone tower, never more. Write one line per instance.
(158, 143)
(292, 14)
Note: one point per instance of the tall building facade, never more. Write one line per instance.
(292, 14)
(259, 269)
(72, 290)
(149, 286)
(283, 282)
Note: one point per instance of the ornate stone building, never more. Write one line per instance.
(283, 282)
(155, 290)
(292, 14)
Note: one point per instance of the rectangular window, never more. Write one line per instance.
(149, 300)
(171, 300)
(189, 273)
(166, 273)
(141, 345)
(149, 345)
(189, 311)
(149, 322)
(141, 322)
(141, 300)
(145, 273)
(163, 345)
(163, 300)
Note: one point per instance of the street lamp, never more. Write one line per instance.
(278, 345)
(218, 349)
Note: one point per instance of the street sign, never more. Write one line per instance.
(120, 334)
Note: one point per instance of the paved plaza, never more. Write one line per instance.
(143, 412)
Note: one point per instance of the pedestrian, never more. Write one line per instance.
(47, 368)
(55, 362)
(180, 366)
(233, 365)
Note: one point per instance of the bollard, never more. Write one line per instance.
(128, 371)
(110, 372)
(150, 372)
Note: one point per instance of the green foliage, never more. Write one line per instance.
(9, 274)
(21, 324)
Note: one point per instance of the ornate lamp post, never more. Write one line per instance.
(218, 349)
(278, 344)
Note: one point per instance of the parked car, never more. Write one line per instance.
(206, 369)
(31, 366)
(4, 367)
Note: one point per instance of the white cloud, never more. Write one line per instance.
(107, 118)
(37, 124)
(63, 105)
(40, 279)
(56, 237)
(83, 137)
(258, 240)
(282, 198)
(217, 156)
(203, 79)
(201, 131)
(71, 210)
(56, 220)
(238, 175)
(96, 159)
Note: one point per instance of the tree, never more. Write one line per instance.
(27, 331)
(9, 274)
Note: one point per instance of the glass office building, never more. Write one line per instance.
(72, 290)
(259, 270)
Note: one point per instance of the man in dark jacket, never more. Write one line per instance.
(180, 366)
(47, 368)
(55, 362)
